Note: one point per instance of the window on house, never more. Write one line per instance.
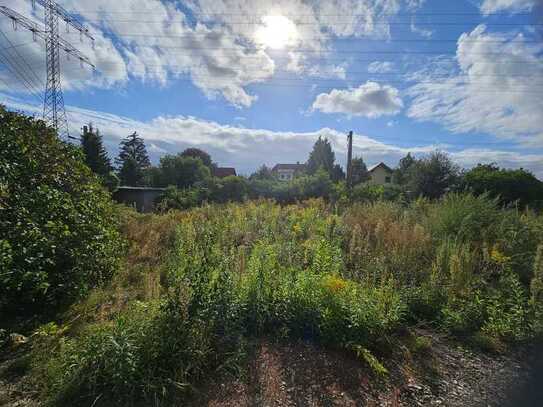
(387, 180)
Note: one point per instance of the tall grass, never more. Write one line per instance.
(204, 281)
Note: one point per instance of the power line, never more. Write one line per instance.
(321, 23)
(336, 51)
(315, 73)
(16, 74)
(26, 64)
(17, 70)
(340, 83)
(399, 14)
(335, 38)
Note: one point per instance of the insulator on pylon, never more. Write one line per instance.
(14, 24)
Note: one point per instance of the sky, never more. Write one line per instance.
(258, 81)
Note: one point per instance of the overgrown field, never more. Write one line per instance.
(196, 286)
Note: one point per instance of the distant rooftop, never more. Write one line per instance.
(221, 172)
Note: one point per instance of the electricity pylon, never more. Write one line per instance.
(53, 105)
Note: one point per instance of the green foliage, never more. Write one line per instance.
(508, 185)
(263, 173)
(179, 170)
(360, 172)
(317, 186)
(59, 234)
(432, 176)
(465, 217)
(368, 193)
(95, 154)
(132, 161)
(201, 154)
(229, 189)
(401, 174)
(322, 156)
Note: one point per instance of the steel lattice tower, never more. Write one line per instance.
(54, 112)
(53, 104)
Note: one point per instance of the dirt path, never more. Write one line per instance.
(304, 374)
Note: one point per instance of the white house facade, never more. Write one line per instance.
(380, 174)
(286, 172)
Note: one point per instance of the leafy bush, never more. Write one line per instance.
(508, 186)
(59, 235)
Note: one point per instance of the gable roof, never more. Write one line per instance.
(221, 172)
(292, 167)
(381, 164)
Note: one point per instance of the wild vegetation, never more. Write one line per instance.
(199, 284)
(160, 302)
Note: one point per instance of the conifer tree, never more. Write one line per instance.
(132, 161)
(95, 154)
(360, 171)
(321, 156)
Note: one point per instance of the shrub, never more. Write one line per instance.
(509, 186)
(59, 235)
(464, 217)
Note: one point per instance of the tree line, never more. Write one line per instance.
(189, 181)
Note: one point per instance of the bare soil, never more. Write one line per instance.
(304, 374)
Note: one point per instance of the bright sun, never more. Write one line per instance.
(277, 32)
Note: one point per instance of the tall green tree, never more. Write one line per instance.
(132, 161)
(359, 170)
(198, 153)
(95, 154)
(401, 173)
(183, 172)
(433, 176)
(321, 156)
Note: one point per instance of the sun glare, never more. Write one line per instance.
(277, 32)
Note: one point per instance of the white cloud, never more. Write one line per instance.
(380, 67)
(420, 31)
(495, 91)
(216, 44)
(494, 6)
(414, 4)
(242, 147)
(370, 99)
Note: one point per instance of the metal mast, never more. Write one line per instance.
(53, 105)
